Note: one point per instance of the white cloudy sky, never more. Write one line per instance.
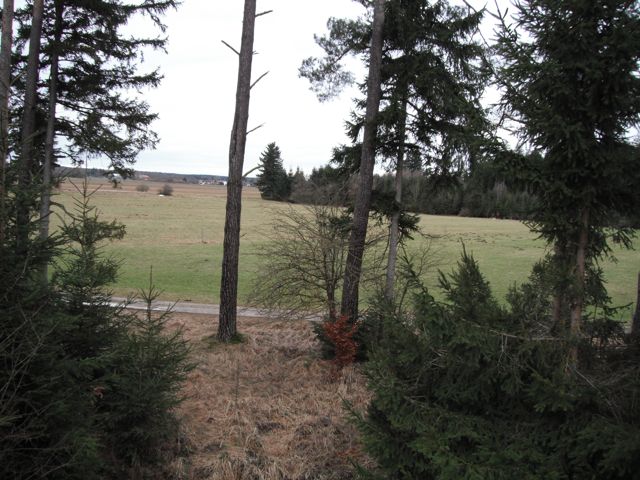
(196, 98)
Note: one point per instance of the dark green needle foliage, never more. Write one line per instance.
(86, 389)
(569, 74)
(273, 181)
(433, 69)
(467, 389)
(100, 72)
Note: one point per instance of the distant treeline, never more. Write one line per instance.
(482, 194)
(485, 193)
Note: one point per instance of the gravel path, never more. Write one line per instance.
(190, 307)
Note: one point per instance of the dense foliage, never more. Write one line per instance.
(467, 389)
(100, 65)
(569, 74)
(273, 181)
(86, 389)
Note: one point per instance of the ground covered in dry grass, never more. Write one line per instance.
(267, 408)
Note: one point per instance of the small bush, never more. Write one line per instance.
(166, 190)
(340, 333)
(142, 187)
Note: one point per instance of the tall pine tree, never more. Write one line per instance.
(433, 74)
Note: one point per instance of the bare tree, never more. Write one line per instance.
(363, 195)
(5, 85)
(302, 264)
(29, 123)
(231, 247)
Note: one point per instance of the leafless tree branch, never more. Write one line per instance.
(233, 49)
(258, 79)
(255, 128)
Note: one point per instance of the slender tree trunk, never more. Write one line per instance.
(558, 304)
(577, 303)
(28, 128)
(362, 204)
(394, 230)
(45, 201)
(635, 324)
(231, 247)
(5, 87)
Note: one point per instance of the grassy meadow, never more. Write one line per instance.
(180, 236)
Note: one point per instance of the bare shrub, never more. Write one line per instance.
(166, 190)
(142, 187)
(302, 265)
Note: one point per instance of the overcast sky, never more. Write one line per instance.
(195, 101)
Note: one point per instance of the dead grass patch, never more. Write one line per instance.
(266, 408)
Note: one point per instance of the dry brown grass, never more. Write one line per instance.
(267, 408)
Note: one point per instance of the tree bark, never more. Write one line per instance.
(362, 204)
(559, 296)
(231, 247)
(5, 87)
(635, 324)
(577, 302)
(45, 201)
(28, 128)
(394, 229)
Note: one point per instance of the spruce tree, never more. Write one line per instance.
(569, 74)
(465, 388)
(273, 181)
(86, 389)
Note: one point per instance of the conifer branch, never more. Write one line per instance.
(255, 128)
(233, 49)
(258, 79)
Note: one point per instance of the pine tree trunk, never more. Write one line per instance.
(45, 201)
(5, 87)
(353, 266)
(28, 128)
(635, 324)
(231, 247)
(394, 230)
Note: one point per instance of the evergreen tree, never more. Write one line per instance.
(569, 73)
(83, 107)
(98, 65)
(466, 389)
(86, 389)
(5, 81)
(273, 181)
(432, 77)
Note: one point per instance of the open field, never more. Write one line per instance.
(181, 237)
(268, 408)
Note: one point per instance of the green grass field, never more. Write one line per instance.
(181, 238)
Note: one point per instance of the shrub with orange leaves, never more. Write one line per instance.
(340, 333)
